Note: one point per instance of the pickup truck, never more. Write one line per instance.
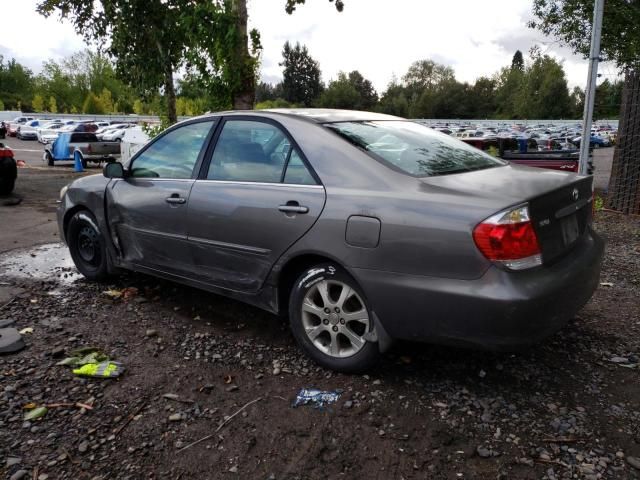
(507, 149)
(8, 170)
(85, 144)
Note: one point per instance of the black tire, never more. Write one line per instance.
(84, 162)
(49, 158)
(8, 174)
(87, 246)
(7, 185)
(364, 356)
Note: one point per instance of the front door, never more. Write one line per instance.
(147, 210)
(258, 198)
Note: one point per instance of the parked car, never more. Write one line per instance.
(8, 170)
(27, 131)
(595, 142)
(362, 227)
(12, 127)
(84, 144)
(48, 132)
(116, 132)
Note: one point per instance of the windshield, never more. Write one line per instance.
(413, 148)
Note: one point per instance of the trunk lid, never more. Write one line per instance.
(559, 203)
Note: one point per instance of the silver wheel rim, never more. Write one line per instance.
(335, 318)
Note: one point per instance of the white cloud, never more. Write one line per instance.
(380, 38)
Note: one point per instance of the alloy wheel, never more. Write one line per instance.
(335, 318)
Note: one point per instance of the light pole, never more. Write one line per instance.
(590, 91)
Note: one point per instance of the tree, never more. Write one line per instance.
(138, 107)
(37, 103)
(368, 97)
(106, 100)
(53, 105)
(174, 31)
(1, 105)
(16, 84)
(570, 22)
(340, 93)
(544, 92)
(301, 76)
(93, 105)
(517, 63)
(576, 99)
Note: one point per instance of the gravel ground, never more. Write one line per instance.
(568, 408)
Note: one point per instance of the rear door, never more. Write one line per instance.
(254, 199)
(147, 211)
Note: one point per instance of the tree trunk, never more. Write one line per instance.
(244, 96)
(624, 184)
(170, 93)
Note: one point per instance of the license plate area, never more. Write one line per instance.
(570, 229)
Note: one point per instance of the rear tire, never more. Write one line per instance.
(329, 317)
(87, 246)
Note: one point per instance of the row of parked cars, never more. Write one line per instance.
(544, 137)
(47, 130)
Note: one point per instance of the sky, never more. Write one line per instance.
(380, 38)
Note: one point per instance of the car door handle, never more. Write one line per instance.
(175, 199)
(293, 207)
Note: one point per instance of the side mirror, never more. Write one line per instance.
(113, 170)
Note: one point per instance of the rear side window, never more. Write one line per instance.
(414, 149)
(297, 172)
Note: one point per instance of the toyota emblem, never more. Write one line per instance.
(575, 194)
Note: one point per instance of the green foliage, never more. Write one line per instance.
(608, 99)
(93, 105)
(37, 103)
(301, 75)
(16, 84)
(53, 105)
(138, 107)
(153, 130)
(1, 105)
(277, 103)
(340, 94)
(598, 203)
(570, 22)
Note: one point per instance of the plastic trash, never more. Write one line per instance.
(106, 369)
(317, 398)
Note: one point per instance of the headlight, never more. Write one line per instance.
(63, 190)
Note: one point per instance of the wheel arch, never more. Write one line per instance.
(292, 269)
(69, 214)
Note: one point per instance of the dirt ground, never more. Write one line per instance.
(568, 408)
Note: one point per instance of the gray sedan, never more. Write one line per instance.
(361, 227)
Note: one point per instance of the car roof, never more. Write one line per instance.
(318, 115)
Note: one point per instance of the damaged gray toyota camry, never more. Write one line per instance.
(361, 227)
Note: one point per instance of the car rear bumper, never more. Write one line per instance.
(500, 310)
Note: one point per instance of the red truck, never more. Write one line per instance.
(511, 150)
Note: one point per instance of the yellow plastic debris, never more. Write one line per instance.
(106, 369)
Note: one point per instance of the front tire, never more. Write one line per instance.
(48, 158)
(329, 317)
(87, 246)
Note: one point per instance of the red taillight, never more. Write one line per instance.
(508, 238)
(6, 152)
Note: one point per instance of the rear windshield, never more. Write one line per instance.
(414, 148)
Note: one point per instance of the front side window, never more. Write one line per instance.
(174, 155)
(413, 148)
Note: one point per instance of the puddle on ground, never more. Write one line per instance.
(46, 262)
